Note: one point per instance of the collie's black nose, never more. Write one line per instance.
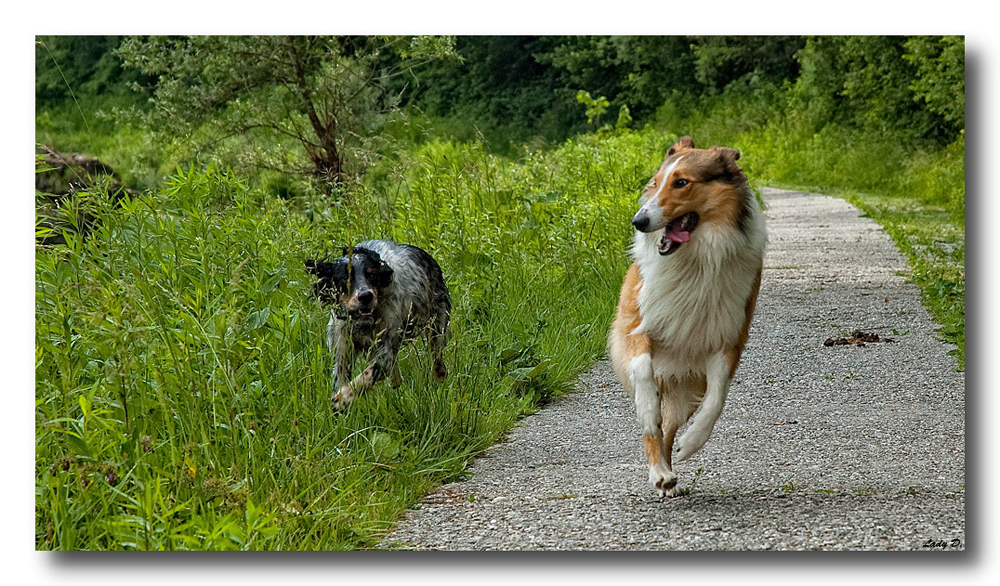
(366, 297)
(641, 222)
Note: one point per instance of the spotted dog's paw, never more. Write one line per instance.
(342, 399)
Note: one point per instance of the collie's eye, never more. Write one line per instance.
(680, 183)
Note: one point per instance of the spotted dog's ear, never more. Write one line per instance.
(383, 274)
(320, 287)
(320, 268)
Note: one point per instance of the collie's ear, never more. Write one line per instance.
(727, 158)
(311, 266)
(729, 154)
(684, 143)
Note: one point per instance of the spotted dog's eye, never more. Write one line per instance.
(680, 183)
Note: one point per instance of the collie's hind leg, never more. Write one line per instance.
(718, 374)
(648, 413)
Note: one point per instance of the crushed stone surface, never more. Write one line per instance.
(840, 447)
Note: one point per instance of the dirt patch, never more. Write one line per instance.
(858, 338)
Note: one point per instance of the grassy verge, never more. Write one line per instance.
(182, 383)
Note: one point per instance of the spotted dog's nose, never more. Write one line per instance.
(366, 297)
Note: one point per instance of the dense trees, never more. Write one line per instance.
(528, 85)
(78, 65)
(913, 84)
(322, 104)
(324, 95)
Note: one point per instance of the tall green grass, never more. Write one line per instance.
(183, 385)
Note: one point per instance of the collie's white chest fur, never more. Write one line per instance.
(693, 302)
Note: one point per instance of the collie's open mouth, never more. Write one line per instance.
(677, 232)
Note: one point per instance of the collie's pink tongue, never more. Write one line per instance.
(677, 235)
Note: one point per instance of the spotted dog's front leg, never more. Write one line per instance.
(438, 336)
(383, 365)
(340, 345)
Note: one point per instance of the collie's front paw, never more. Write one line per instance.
(343, 398)
(663, 480)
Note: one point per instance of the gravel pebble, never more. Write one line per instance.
(819, 447)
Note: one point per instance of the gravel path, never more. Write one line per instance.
(819, 447)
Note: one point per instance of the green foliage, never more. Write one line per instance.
(514, 90)
(69, 67)
(724, 60)
(496, 91)
(183, 383)
(595, 107)
(940, 75)
(519, 89)
(869, 83)
(295, 104)
(624, 118)
(637, 70)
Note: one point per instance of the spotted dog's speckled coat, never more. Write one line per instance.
(684, 312)
(380, 293)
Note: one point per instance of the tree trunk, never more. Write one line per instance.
(328, 166)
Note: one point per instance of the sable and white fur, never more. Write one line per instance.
(685, 307)
(380, 294)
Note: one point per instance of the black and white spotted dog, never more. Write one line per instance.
(380, 294)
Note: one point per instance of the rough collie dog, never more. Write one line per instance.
(684, 313)
(380, 294)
